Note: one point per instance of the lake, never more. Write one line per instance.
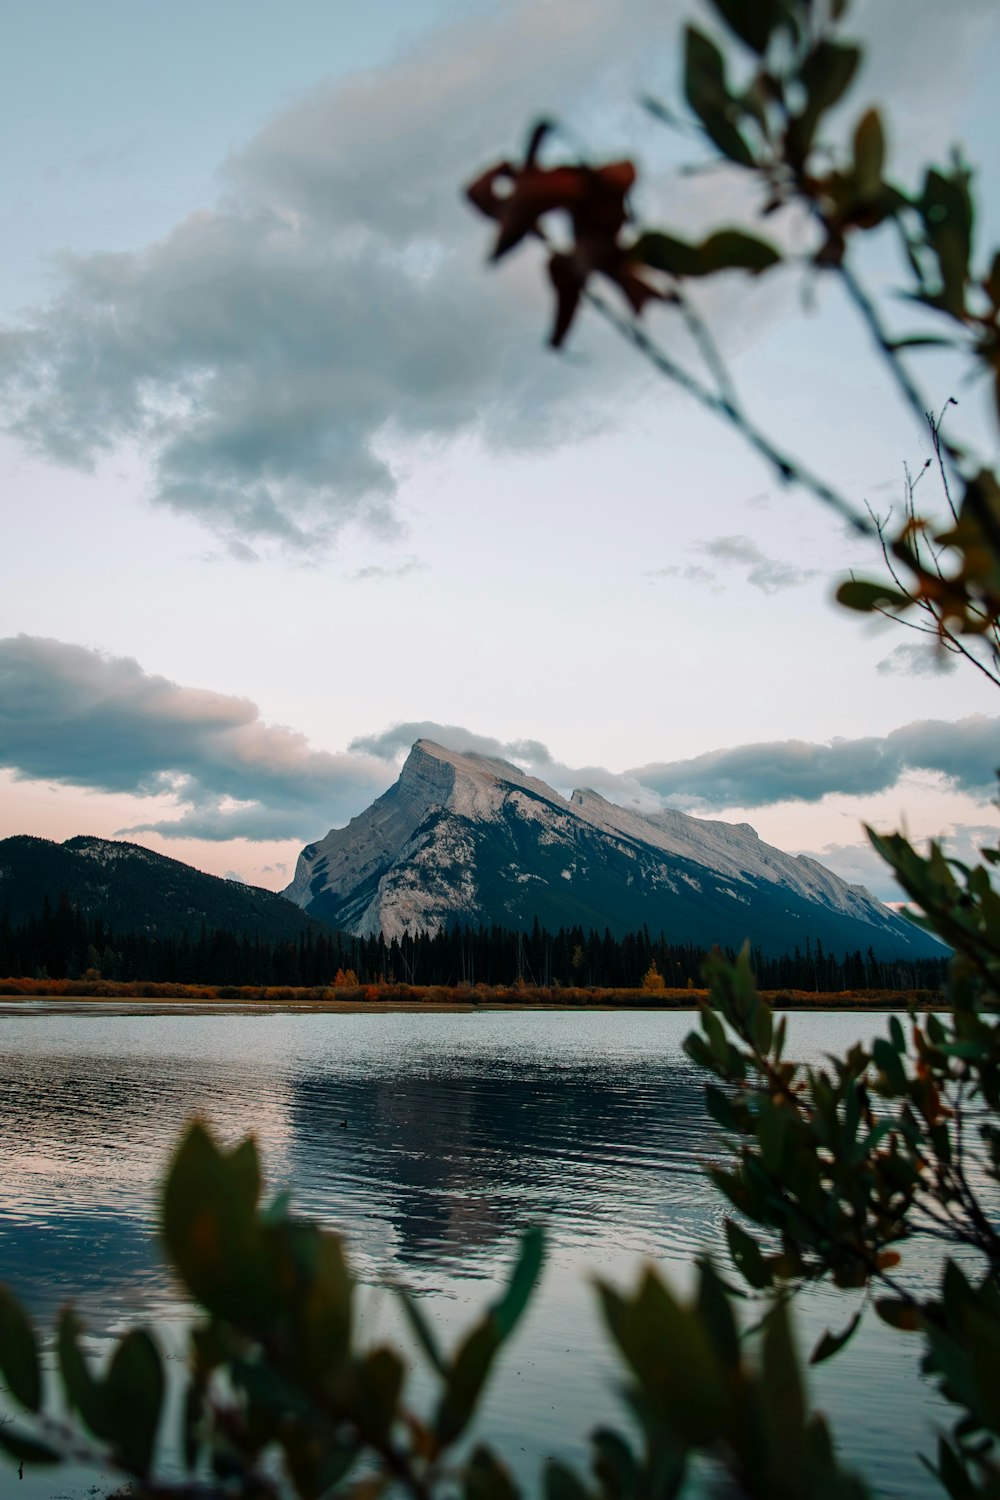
(461, 1130)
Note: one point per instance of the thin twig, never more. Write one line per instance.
(709, 349)
(788, 469)
(907, 388)
(935, 425)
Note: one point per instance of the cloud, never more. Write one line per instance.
(916, 659)
(390, 743)
(690, 572)
(530, 755)
(74, 716)
(375, 571)
(105, 157)
(965, 753)
(769, 574)
(269, 351)
(860, 865)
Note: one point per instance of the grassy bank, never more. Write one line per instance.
(402, 997)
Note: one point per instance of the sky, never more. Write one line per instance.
(290, 478)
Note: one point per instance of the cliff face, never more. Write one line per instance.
(465, 838)
(367, 876)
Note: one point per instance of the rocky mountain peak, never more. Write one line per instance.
(465, 837)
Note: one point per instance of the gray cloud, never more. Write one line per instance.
(390, 743)
(267, 352)
(769, 574)
(77, 717)
(859, 863)
(917, 659)
(375, 572)
(74, 716)
(690, 572)
(531, 755)
(966, 753)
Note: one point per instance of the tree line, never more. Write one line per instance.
(62, 942)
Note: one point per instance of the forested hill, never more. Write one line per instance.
(131, 889)
(62, 943)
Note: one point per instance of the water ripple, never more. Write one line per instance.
(430, 1140)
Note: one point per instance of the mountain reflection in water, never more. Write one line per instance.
(460, 1130)
(457, 1162)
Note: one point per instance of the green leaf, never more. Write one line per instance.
(889, 1061)
(827, 73)
(991, 285)
(243, 1168)
(84, 1394)
(717, 1316)
(211, 1230)
(825, 76)
(772, 1133)
(668, 1347)
(869, 154)
(832, 1343)
(470, 1368)
(19, 1362)
(762, 1027)
(507, 1312)
(466, 1378)
(753, 21)
(381, 1379)
(27, 1450)
(614, 1463)
(706, 91)
(486, 1478)
(715, 1034)
(325, 1318)
(720, 1107)
(747, 1257)
(316, 1469)
(952, 1472)
(422, 1330)
(561, 1483)
(864, 596)
(134, 1394)
(725, 250)
(781, 1031)
(946, 210)
(782, 1384)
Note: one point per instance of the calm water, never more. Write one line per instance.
(461, 1130)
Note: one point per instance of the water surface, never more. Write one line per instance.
(461, 1129)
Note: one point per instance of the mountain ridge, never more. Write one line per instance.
(134, 888)
(464, 837)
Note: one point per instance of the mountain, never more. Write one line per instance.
(133, 889)
(470, 839)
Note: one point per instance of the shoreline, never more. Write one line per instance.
(146, 1005)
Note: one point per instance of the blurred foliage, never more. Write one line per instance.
(840, 1166)
(831, 1171)
(766, 108)
(281, 1398)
